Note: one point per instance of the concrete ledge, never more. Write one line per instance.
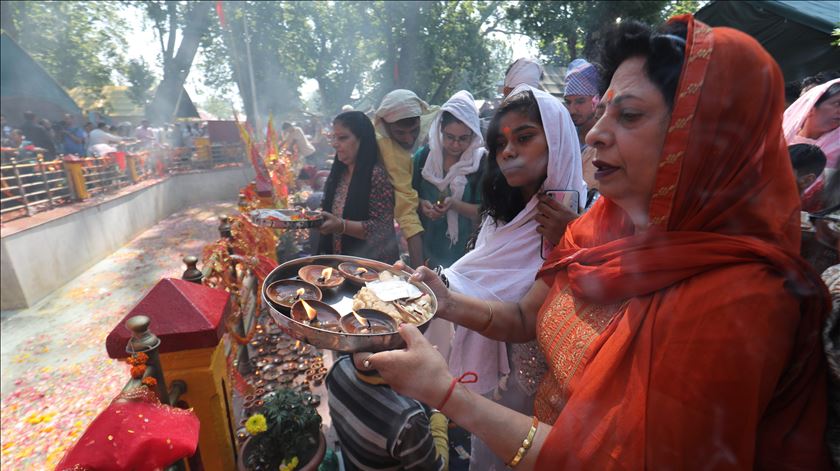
(38, 260)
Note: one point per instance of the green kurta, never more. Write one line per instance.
(436, 245)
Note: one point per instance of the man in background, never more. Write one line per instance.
(581, 96)
(523, 71)
(73, 137)
(294, 138)
(400, 120)
(37, 134)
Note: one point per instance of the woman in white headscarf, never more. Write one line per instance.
(533, 147)
(447, 174)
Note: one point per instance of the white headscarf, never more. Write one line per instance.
(504, 263)
(796, 115)
(525, 71)
(396, 105)
(462, 106)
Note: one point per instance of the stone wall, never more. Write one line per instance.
(40, 259)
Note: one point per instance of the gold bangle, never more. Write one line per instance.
(343, 226)
(489, 319)
(526, 444)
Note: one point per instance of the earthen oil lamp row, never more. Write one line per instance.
(316, 314)
(373, 322)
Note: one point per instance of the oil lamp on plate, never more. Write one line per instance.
(368, 322)
(323, 277)
(316, 314)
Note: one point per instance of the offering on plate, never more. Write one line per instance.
(321, 276)
(288, 292)
(412, 311)
(286, 218)
(316, 314)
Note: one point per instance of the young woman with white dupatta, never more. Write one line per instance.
(533, 147)
(447, 177)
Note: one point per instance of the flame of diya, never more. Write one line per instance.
(324, 324)
(326, 274)
(300, 292)
(366, 326)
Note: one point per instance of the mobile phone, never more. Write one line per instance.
(569, 199)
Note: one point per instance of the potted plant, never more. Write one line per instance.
(285, 434)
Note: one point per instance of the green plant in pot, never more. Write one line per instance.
(293, 430)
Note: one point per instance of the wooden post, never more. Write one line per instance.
(192, 273)
(21, 190)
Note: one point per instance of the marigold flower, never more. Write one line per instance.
(137, 371)
(149, 382)
(256, 424)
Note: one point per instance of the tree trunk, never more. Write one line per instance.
(162, 108)
(407, 62)
(571, 46)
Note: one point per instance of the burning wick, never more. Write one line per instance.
(311, 313)
(300, 292)
(360, 271)
(364, 322)
(326, 274)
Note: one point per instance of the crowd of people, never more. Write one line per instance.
(620, 280)
(70, 137)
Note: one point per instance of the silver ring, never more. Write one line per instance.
(366, 363)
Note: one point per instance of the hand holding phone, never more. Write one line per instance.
(556, 209)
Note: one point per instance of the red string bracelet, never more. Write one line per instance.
(473, 378)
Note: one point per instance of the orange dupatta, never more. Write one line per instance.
(694, 344)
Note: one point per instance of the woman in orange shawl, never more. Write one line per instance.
(680, 326)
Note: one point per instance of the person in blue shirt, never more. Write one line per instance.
(73, 137)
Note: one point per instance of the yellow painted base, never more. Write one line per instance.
(74, 169)
(204, 372)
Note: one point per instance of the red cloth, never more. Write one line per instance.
(693, 345)
(135, 432)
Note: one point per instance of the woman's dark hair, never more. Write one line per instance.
(807, 158)
(501, 201)
(832, 90)
(447, 118)
(663, 51)
(358, 194)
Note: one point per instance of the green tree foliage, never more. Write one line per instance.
(278, 35)
(77, 43)
(569, 29)
(141, 81)
(356, 51)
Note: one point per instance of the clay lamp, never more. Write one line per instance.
(357, 273)
(321, 276)
(373, 322)
(287, 292)
(316, 314)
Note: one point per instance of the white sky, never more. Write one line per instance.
(143, 43)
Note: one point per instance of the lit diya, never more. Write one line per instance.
(321, 276)
(358, 273)
(316, 314)
(368, 322)
(288, 292)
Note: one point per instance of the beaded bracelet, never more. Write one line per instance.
(526, 444)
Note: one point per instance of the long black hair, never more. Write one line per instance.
(356, 206)
(501, 201)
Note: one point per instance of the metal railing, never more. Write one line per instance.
(32, 185)
(103, 174)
